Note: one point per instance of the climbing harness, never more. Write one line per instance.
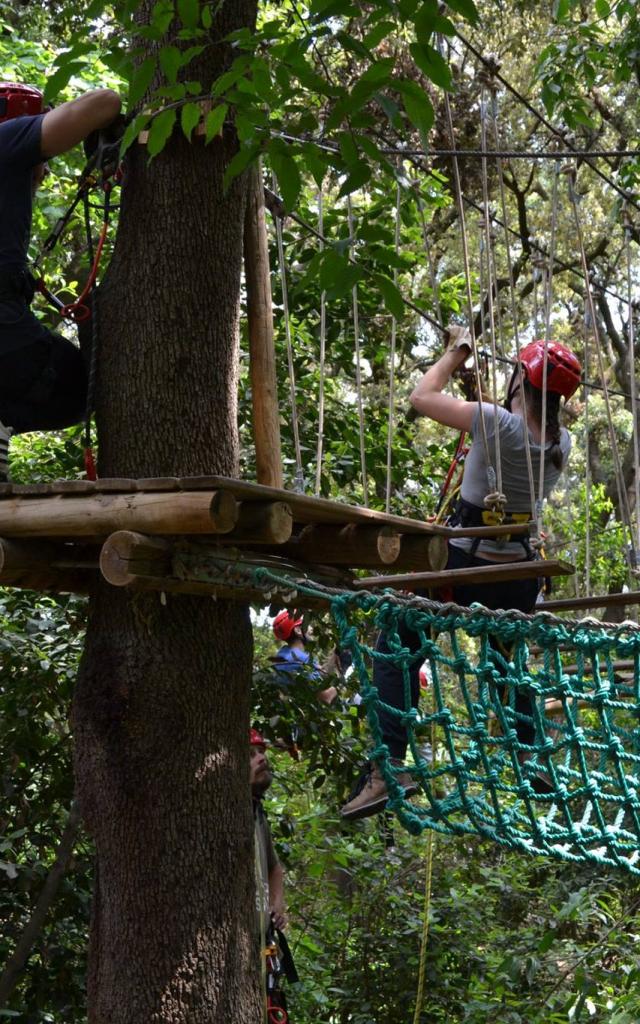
(278, 965)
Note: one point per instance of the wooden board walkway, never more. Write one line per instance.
(184, 535)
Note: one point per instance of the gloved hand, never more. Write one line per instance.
(104, 145)
(458, 337)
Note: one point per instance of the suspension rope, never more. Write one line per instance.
(491, 473)
(497, 500)
(323, 343)
(545, 360)
(587, 490)
(632, 379)
(620, 485)
(435, 291)
(392, 352)
(487, 61)
(299, 478)
(512, 296)
(358, 358)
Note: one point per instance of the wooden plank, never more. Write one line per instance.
(101, 514)
(422, 554)
(160, 483)
(262, 358)
(597, 601)
(262, 522)
(501, 572)
(114, 485)
(129, 557)
(353, 545)
(307, 509)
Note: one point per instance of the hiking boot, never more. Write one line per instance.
(370, 795)
(5, 434)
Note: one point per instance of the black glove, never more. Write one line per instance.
(102, 147)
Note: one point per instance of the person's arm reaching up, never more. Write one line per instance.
(70, 123)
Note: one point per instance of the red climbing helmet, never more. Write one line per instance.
(256, 739)
(17, 100)
(285, 623)
(563, 368)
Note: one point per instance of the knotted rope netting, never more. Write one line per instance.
(572, 688)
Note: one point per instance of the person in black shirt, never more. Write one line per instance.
(42, 375)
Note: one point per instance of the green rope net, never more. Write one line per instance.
(475, 776)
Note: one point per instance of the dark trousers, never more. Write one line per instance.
(387, 677)
(43, 380)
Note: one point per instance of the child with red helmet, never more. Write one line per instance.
(42, 376)
(293, 658)
(548, 371)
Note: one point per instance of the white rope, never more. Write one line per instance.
(498, 499)
(512, 300)
(435, 291)
(392, 356)
(587, 488)
(545, 359)
(622, 495)
(491, 473)
(632, 381)
(323, 344)
(299, 480)
(358, 357)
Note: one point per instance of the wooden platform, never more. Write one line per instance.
(186, 534)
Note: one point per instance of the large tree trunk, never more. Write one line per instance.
(162, 704)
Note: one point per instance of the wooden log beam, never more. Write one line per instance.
(422, 554)
(185, 512)
(40, 565)
(262, 522)
(597, 601)
(262, 359)
(138, 562)
(351, 545)
(499, 573)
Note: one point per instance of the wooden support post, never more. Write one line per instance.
(129, 557)
(262, 522)
(262, 360)
(35, 565)
(101, 514)
(138, 562)
(422, 554)
(352, 545)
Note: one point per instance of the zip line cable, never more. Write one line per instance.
(490, 64)
(358, 358)
(323, 341)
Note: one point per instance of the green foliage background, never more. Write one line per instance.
(511, 939)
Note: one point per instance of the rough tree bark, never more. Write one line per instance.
(162, 703)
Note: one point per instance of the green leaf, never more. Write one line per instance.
(60, 78)
(392, 298)
(141, 81)
(170, 61)
(425, 20)
(417, 105)
(315, 162)
(214, 122)
(240, 162)
(432, 65)
(161, 17)
(603, 9)
(381, 31)
(207, 17)
(134, 128)
(561, 9)
(161, 129)
(288, 176)
(189, 13)
(466, 8)
(189, 118)
(358, 177)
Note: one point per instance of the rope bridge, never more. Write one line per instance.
(482, 779)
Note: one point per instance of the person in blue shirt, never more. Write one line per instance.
(294, 659)
(43, 382)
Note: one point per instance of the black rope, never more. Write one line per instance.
(556, 132)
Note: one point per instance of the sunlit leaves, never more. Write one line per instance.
(160, 131)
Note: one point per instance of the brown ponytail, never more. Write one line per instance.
(533, 398)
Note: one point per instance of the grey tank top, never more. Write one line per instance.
(515, 478)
